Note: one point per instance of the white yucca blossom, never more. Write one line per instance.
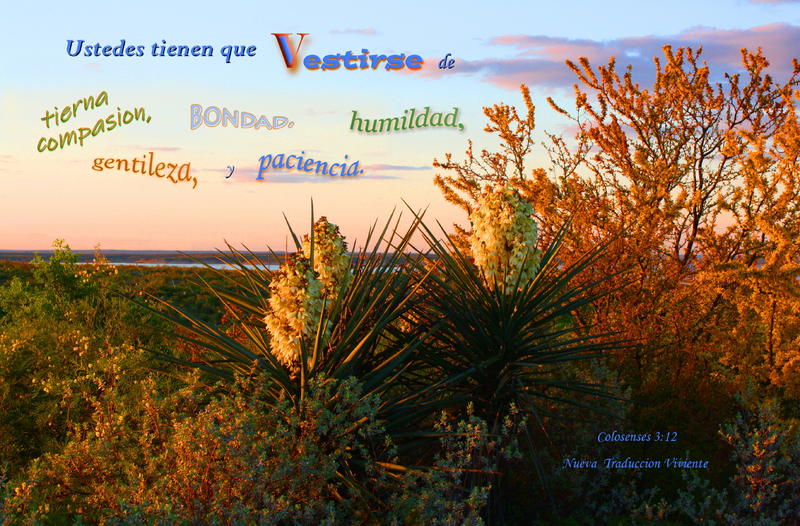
(331, 261)
(503, 234)
(295, 306)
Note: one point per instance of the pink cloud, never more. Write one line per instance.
(249, 174)
(401, 167)
(540, 59)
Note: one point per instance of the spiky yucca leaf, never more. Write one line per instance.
(506, 342)
(357, 333)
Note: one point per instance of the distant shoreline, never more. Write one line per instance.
(141, 257)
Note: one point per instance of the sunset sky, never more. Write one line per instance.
(497, 46)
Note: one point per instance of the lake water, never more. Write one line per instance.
(182, 265)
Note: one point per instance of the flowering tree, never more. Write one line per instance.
(700, 183)
(696, 182)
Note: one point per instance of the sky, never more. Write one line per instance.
(497, 46)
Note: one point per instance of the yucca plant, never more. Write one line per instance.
(423, 330)
(505, 314)
(504, 343)
(326, 315)
(506, 321)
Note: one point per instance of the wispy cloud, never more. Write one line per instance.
(249, 174)
(540, 59)
(295, 177)
(390, 167)
(239, 172)
(366, 31)
(774, 1)
(278, 177)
